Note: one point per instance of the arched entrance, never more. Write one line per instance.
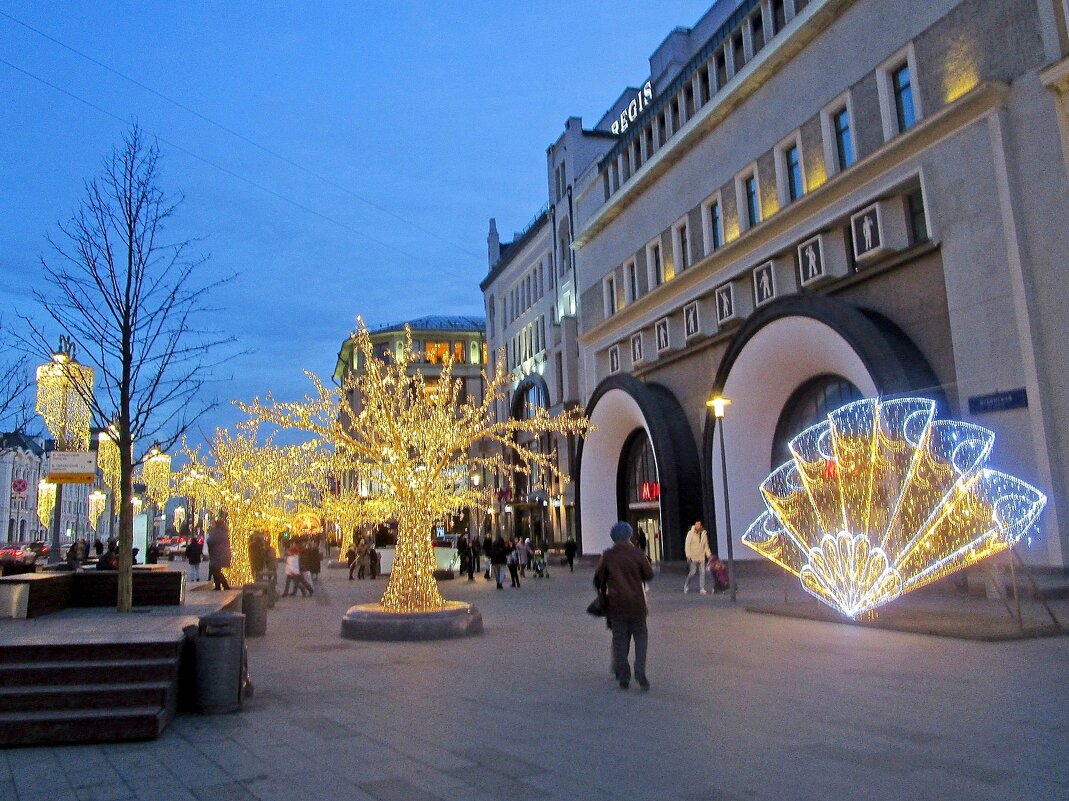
(641, 490)
(625, 410)
(792, 361)
(530, 493)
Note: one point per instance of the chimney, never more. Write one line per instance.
(493, 244)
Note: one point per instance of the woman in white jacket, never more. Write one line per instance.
(696, 548)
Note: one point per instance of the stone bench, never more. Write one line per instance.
(36, 594)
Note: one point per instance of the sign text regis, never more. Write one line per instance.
(634, 108)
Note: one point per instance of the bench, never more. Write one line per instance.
(36, 594)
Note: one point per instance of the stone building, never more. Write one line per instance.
(811, 202)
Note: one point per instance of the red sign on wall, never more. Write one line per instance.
(650, 491)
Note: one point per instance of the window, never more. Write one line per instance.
(757, 32)
(721, 70)
(649, 141)
(738, 51)
(614, 359)
(549, 273)
(656, 265)
(713, 226)
(779, 16)
(751, 205)
(793, 164)
(688, 100)
(458, 352)
(810, 404)
(662, 128)
(844, 140)
(609, 287)
(918, 222)
(903, 93)
(675, 114)
(681, 247)
(704, 91)
(631, 274)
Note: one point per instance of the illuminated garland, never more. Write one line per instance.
(109, 462)
(97, 503)
(156, 474)
(418, 439)
(881, 499)
(46, 502)
(63, 390)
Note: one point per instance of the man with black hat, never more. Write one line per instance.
(620, 575)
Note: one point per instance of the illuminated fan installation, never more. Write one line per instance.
(881, 498)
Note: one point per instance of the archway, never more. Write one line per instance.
(778, 352)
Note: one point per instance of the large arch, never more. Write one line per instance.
(619, 406)
(779, 348)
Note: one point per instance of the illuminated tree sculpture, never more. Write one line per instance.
(881, 498)
(416, 437)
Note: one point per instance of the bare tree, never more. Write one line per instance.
(16, 410)
(133, 304)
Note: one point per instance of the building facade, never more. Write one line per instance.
(21, 461)
(812, 202)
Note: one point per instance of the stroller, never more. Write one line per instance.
(539, 566)
(721, 582)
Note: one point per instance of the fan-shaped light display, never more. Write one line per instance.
(881, 498)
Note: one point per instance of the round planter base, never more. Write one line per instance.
(372, 622)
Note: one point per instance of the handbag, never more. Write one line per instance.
(597, 606)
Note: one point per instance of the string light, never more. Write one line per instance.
(881, 499)
(108, 460)
(46, 502)
(63, 390)
(97, 501)
(156, 475)
(413, 439)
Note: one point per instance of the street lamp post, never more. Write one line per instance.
(719, 405)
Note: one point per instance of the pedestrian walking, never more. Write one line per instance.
(363, 559)
(464, 552)
(315, 560)
(294, 574)
(620, 576)
(696, 549)
(219, 554)
(98, 546)
(570, 549)
(514, 560)
(498, 559)
(194, 556)
(488, 547)
(528, 557)
(350, 560)
(476, 554)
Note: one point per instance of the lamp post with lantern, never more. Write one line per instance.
(719, 406)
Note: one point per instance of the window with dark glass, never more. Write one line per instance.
(684, 251)
(753, 210)
(715, 227)
(649, 141)
(757, 29)
(903, 91)
(795, 186)
(808, 405)
(658, 268)
(918, 222)
(688, 100)
(779, 16)
(703, 87)
(640, 470)
(675, 114)
(662, 128)
(738, 52)
(844, 140)
(610, 295)
(721, 69)
(632, 280)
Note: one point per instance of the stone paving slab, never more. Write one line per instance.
(743, 707)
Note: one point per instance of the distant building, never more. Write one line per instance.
(21, 461)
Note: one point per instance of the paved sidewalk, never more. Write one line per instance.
(743, 706)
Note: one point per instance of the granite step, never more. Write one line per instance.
(103, 671)
(35, 698)
(82, 726)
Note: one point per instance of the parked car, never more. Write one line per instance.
(18, 553)
(42, 549)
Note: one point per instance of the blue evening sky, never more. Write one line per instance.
(425, 119)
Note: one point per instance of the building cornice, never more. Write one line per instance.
(743, 252)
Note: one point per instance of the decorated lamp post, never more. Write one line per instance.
(156, 473)
(64, 390)
(719, 406)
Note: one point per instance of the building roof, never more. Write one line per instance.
(510, 249)
(16, 439)
(435, 323)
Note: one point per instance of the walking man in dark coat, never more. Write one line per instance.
(620, 575)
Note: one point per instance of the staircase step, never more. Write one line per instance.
(83, 696)
(82, 726)
(83, 651)
(103, 671)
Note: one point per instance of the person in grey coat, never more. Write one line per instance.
(219, 554)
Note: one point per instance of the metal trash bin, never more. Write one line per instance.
(220, 658)
(254, 604)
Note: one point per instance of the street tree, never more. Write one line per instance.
(135, 305)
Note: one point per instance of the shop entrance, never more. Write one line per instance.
(642, 493)
(647, 525)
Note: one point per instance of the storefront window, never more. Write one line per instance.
(435, 352)
(641, 472)
(458, 352)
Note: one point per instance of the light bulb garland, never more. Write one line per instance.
(63, 390)
(156, 474)
(881, 499)
(46, 502)
(97, 502)
(109, 462)
(414, 439)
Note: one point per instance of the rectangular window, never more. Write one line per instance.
(675, 114)
(632, 281)
(704, 92)
(688, 100)
(753, 207)
(662, 128)
(716, 228)
(721, 70)
(779, 16)
(757, 31)
(610, 295)
(918, 221)
(682, 248)
(738, 51)
(793, 163)
(903, 91)
(844, 140)
(649, 141)
(657, 266)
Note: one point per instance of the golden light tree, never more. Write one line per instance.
(418, 438)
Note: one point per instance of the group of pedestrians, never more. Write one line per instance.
(363, 559)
